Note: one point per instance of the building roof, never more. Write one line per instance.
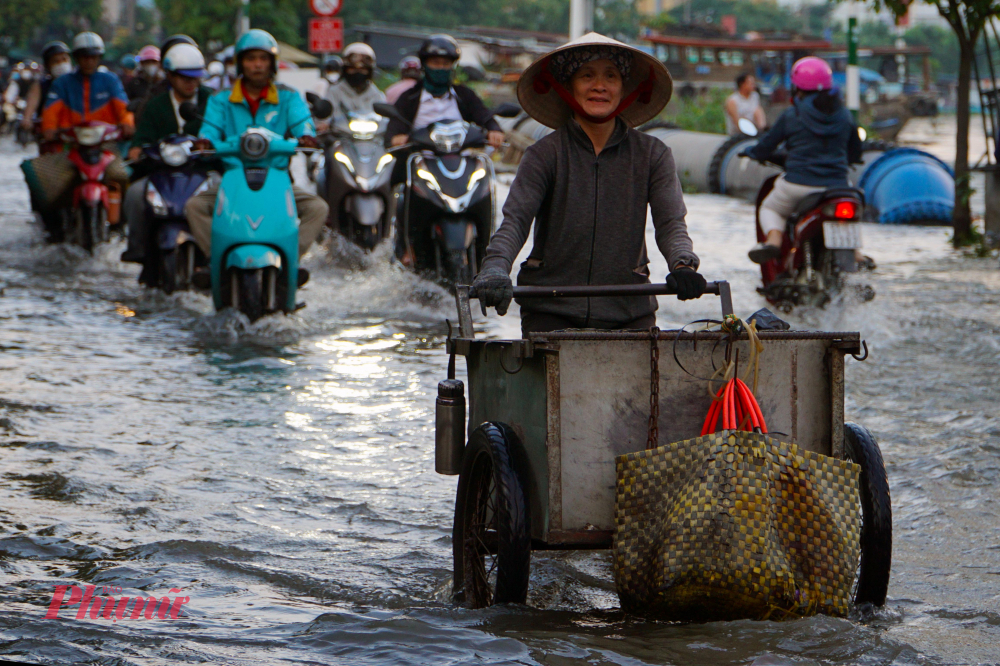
(742, 44)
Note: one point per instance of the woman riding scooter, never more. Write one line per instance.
(821, 140)
(587, 186)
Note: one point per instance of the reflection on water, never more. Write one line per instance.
(281, 473)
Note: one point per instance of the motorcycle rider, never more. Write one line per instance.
(409, 73)
(140, 88)
(331, 75)
(56, 61)
(215, 72)
(65, 105)
(587, 187)
(256, 100)
(185, 67)
(821, 139)
(355, 92)
(127, 64)
(439, 98)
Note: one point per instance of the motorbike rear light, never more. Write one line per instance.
(89, 136)
(845, 210)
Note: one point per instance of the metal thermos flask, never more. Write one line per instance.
(449, 430)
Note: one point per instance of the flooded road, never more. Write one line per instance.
(281, 475)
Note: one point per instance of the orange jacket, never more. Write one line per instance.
(74, 98)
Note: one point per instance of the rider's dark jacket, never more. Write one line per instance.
(590, 220)
(469, 105)
(820, 145)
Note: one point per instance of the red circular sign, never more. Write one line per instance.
(325, 7)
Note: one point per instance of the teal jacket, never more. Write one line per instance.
(281, 110)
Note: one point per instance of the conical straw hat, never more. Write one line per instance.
(542, 102)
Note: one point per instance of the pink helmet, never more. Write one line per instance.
(148, 53)
(812, 73)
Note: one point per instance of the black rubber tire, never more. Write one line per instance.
(715, 174)
(168, 271)
(872, 582)
(250, 288)
(86, 228)
(367, 237)
(489, 484)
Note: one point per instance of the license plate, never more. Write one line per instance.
(842, 236)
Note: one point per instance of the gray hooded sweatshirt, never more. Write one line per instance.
(590, 221)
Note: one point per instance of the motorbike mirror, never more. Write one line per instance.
(321, 108)
(862, 133)
(747, 127)
(389, 111)
(507, 110)
(189, 111)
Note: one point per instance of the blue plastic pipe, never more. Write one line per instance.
(909, 186)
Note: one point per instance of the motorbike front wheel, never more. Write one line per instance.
(254, 292)
(91, 228)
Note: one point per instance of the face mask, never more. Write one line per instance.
(150, 68)
(60, 69)
(231, 71)
(356, 79)
(27, 76)
(437, 81)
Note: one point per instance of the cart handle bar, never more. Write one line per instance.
(592, 291)
(463, 293)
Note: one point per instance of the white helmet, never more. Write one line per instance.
(359, 54)
(88, 43)
(185, 60)
(216, 68)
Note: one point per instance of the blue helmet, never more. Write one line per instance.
(256, 40)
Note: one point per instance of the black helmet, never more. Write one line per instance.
(333, 63)
(53, 48)
(443, 46)
(174, 40)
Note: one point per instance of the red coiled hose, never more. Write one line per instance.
(738, 407)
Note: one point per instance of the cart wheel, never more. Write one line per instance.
(872, 580)
(491, 544)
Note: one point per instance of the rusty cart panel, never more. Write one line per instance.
(579, 399)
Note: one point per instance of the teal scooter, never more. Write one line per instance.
(255, 224)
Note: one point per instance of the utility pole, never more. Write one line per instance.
(243, 19)
(581, 18)
(853, 73)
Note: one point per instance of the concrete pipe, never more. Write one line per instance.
(693, 153)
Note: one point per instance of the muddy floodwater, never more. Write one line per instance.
(280, 475)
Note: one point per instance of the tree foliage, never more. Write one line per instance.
(33, 22)
(762, 15)
(968, 19)
(207, 20)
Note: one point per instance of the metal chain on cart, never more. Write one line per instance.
(653, 439)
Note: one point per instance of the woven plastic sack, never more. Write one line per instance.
(51, 178)
(735, 525)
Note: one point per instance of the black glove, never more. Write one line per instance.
(494, 289)
(687, 282)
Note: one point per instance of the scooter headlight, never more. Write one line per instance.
(89, 136)
(476, 176)
(449, 137)
(345, 160)
(429, 178)
(383, 162)
(155, 201)
(363, 129)
(173, 154)
(254, 145)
